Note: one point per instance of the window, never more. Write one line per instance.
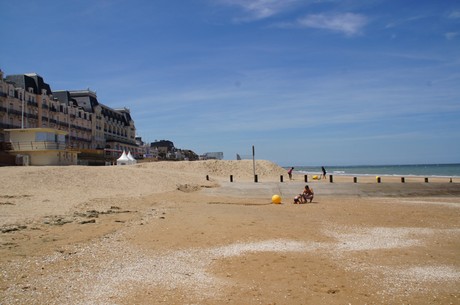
(40, 136)
(45, 137)
(60, 138)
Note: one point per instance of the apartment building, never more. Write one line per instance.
(27, 101)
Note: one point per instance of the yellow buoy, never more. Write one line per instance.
(315, 177)
(276, 199)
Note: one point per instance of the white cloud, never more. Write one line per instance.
(397, 23)
(349, 23)
(260, 9)
(451, 35)
(454, 15)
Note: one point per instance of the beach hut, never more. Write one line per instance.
(123, 160)
(131, 158)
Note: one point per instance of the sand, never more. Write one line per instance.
(161, 233)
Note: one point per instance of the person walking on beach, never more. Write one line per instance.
(324, 172)
(290, 173)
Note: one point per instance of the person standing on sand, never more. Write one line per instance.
(290, 173)
(324, 172)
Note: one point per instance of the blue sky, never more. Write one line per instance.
(346, 82)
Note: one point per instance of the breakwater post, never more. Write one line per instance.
(379, 180)
(256, 179)
(426, 180)
(331, 179)
(306, 178)
(207, 177)
(281, 178)
(403, 180)
(231, 178)
(355, 179)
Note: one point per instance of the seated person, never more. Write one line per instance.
(307, 194)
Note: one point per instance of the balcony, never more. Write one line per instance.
(109, 138)
(42, 145)
(8, 126)
(80, 139)
(64, 124)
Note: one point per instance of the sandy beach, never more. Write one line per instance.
(162, 233)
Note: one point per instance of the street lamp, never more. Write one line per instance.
(22, 113)
(8, 115)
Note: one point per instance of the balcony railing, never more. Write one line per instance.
(8, 126)
(80, 139)
(119, 140)
(10, 111)
(40, 145)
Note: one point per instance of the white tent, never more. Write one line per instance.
(131, 158)
(123, 160)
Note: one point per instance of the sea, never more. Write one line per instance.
(425, 170)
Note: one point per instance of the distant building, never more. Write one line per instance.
(189, 155)
(144, 149)
(164, 149)
(213, 155)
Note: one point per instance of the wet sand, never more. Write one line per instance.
(161, 233)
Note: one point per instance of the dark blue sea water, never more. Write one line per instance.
(425, 170)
